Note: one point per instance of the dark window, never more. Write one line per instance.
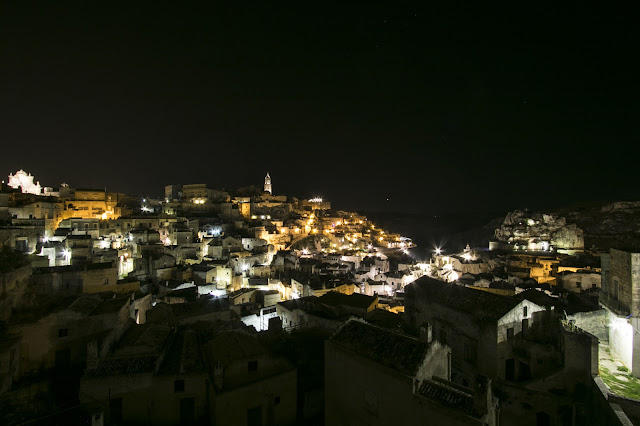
(578, 284)
(276, 400)
(63, 358)
(470, 352)
(509, 333)
(252, 366)
(178, 386)
(63, 332)
(543, 419)
(254, 416)
(115, 409)
(524, 311)
(509, 369)
(187, 411)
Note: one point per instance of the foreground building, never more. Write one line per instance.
(480, 328)
(378, 377)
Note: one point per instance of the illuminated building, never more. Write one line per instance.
(267, 184)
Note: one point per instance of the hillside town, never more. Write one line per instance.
(244, 307)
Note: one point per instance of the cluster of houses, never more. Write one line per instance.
(248, 308)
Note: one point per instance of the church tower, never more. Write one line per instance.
(267, 184)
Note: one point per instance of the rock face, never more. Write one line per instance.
(607, 224)
(539, 231)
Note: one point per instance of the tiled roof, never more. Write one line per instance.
(538, 297)
(201, 306)
(183, 356)
(128, 365)
(297, 303)
(482, 305)
(235, 345)
(448, 396)
(354, 300)
(393, 350)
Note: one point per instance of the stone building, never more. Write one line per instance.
(378, 377)
(479, 326)
(620, 295)
(251, 386)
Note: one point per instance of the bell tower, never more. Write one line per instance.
(267, 184)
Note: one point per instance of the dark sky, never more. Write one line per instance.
(439, 108)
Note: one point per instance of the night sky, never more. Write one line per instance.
(437, 108)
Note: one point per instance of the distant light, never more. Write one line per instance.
(316, 200)
(438, 251)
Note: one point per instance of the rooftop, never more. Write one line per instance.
(482, 305)
(448, 396)
(125, 365)
(393, 350)
(354, 300)
(233, 345)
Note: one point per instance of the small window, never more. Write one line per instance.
(178, 386)
(470, 352)
(105, 281)
(252, 366)
(63, 332)
(578, 284)
(509, 333)
(524, 312)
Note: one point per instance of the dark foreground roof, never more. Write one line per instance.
(355, 300)
(448, 396)
(126, 365)
(393, 350)
(482, 305)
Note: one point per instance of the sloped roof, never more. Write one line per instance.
(201, 306)
(448, 396)
(229, 346)
(183, 356)
(538, 297)
(482, 305)
(393, 350)
(354, 300)
(126, 365)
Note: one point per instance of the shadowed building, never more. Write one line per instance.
(375, 376)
